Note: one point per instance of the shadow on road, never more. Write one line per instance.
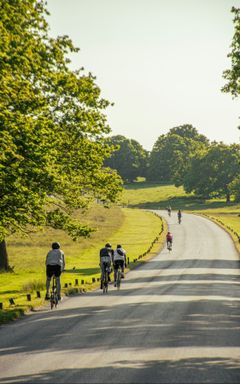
(195, 370)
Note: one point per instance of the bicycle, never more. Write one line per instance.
(118, 277)
(53, 294)
(104, 283)
(169, 246)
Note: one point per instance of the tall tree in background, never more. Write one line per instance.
(211, 173)
(233, 75)
(129, 158)
(52, 129)
(172, 153)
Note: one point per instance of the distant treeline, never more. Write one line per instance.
(182, 157)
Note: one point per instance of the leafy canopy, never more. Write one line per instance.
(52, 128)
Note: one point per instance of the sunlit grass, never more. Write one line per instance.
(134, 229)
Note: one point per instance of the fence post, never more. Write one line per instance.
(28, 297)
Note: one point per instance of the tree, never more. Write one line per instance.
(232, 75)
(212, 172)
(235, 188)
(52, 129)
(171, 154)
(129, 158)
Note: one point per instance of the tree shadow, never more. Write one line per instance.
(84, 271)
(183, 203)
(180, 371)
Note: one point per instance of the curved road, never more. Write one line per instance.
(175, 320)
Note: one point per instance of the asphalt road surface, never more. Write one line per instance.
(175, 320)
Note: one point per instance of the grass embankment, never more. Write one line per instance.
(134, 229)
(156, 196)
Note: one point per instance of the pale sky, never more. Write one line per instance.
(159, 61)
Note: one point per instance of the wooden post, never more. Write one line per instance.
(28, 297)
(38, 294)
(76, 281)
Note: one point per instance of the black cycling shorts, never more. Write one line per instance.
(119, 263)
(53, 270)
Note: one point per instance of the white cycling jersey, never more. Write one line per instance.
(119, 254)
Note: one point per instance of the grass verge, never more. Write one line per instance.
(137, 230)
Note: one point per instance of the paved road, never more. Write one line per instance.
(175, 320)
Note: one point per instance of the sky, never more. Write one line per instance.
(159, 61)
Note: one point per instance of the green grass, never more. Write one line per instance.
(134, 229)
(158, 196)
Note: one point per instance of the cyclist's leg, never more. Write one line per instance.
(122, 267)
(49, 273)
(115, 271)
(58, 282)
(109, 270)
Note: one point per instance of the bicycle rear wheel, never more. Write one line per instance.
(118, 281)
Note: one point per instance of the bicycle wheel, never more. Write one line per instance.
(119, 275)
(105, 282)
(51, 301)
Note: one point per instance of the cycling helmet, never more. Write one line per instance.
(108, 245)
(55, 245)
(119, 246)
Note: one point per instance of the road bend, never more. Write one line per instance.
(176, 319)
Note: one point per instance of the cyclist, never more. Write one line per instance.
(119, 259)
(169, 239)
(55, 264)
(179, 216)
(106, 255)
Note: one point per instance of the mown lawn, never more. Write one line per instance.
(134, 229)
(157, 196)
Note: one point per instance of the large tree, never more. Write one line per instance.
(172, 153)
(52, 129)
(129, 158)
(211, 173)
(232, 75)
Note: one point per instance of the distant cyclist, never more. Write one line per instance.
(55, 264)
(179, 216)
(119, 259)
(106, 256)
(169, 239)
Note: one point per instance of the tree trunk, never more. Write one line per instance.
(228, 197)
(3, 256)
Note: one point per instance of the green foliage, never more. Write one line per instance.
(233, 75)
(52, 127)
(129, 158)
(172, 153)
(212, 172)
(235, 188)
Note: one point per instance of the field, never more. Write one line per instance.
(134, 229)
(156, 196)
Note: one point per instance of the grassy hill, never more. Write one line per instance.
(156, 196)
